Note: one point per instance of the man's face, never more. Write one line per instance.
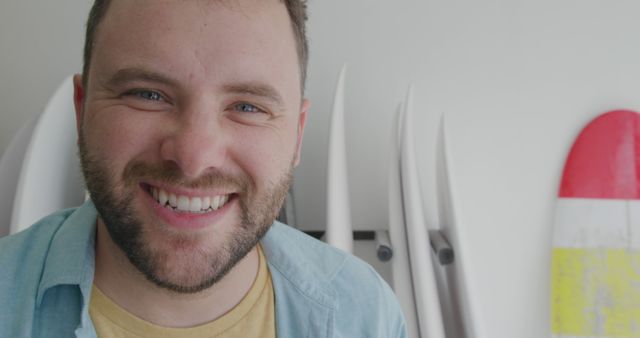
(190, 124)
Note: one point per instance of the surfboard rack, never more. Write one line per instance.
(441, 247)
(384, 251)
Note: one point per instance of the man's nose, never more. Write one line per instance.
(197, 144)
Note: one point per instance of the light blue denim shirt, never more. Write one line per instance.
(46, 275)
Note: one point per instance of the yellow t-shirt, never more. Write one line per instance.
(254, 316)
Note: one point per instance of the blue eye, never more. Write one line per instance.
(147, 95)
(246, 108)
(150, 95)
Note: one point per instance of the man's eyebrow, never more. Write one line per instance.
(126, 75)
(258, 89)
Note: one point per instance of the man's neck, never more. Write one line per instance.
(119, 280)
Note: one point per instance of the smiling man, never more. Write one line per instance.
(190, 116)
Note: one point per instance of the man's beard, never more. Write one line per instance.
(185, 263)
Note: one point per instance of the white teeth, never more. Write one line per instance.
(215, 203)
(195, 205)
(162, 197)
(183, 203)
(189, 204)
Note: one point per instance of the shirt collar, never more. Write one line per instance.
(284, 253)
(70, 259)
(304, 273)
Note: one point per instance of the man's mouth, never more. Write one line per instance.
(198, 204)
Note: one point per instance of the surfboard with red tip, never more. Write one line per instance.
(595, 273)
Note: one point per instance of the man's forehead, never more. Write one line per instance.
(213, 48)
(203, 5)
(167, 16)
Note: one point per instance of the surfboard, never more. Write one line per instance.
(595, 270)
(400, 265)
(426, 294)
(10, 167)
(460, 318)
(50, 177)
(339, 230)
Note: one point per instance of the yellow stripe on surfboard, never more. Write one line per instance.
(595, 292)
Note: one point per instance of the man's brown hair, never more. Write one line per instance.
(297, 13)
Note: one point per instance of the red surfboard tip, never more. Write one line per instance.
(603, 161)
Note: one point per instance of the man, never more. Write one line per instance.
(190, 118)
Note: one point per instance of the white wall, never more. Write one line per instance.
(517, 80)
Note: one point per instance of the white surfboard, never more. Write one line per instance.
(426, 293)
(460, 320)
(10, 167)
(339, 230)
(400, 265)
(50, 177)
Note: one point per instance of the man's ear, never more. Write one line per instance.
(78, 101)
(302, 120)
